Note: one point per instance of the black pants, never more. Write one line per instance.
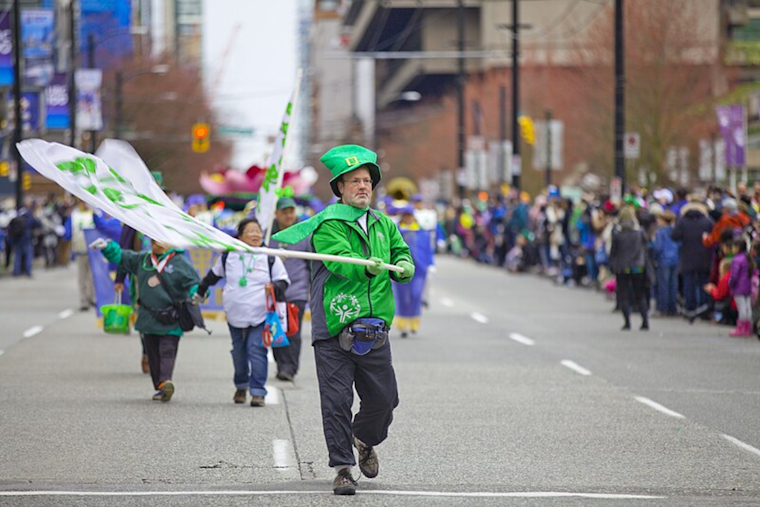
(288, 358)
(162, 354)
(338, 372)
(633, 289)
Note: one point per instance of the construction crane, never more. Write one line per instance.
(223, 60)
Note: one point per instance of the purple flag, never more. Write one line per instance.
(731, 122)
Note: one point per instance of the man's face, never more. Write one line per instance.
(356, 188)
(157, 248)
(285, 217)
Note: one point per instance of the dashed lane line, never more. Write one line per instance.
(447, 302)
(479, 317)
(658, 407)
(272, 397)
(521, 339)
(2, 352)
(281, 452)
(456, 494)
(739, 443)
(580, 370)
(33, 331)
(66, 313)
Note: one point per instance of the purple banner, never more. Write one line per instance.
(57, 103)
(6, 50)
(731, 122)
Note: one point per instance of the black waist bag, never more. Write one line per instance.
(363, 335)
(167, 315)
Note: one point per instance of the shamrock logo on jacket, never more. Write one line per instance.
(345, 307)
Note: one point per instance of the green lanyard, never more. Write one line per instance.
(247, 268)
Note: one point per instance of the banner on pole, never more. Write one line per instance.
(37, 44)
(89, 109)
(733, 128)
(57, 103)
(6, 49)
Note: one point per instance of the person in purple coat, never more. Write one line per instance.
(740, 283)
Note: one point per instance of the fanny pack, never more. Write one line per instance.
(363, 335)
(166, 315)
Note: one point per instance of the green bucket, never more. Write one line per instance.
(116, 318)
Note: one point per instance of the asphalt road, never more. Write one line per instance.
(515, 392)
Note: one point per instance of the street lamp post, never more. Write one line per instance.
(121, 78)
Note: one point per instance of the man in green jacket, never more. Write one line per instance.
(163, 276)
(352, 310)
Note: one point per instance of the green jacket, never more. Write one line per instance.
(342, 293)
(179, 274)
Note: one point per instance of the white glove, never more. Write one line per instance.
(99, 244)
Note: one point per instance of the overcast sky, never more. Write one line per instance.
(257, 76)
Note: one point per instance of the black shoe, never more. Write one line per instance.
(626, 327)
(283, 375)
(368, 463)
(344, 484)
(644, 327)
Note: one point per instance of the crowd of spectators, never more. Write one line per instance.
(690, 241)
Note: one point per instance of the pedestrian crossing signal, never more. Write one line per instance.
(201, 139)
(527, 130)
(4, 169)
(26, 181)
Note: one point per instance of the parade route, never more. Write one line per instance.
(542, 401)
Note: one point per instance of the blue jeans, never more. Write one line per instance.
(667, 288)
(249, 359)
(694, 296)
(24, 255)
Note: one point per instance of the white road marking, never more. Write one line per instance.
(521, 339)
(746, 447)
(270, 356)
(2, 352)
(66, 314)
(447, 302)
(273, 396)
(479, 317)
(474, 494)
(658, 407)
(575, 367)
(33, 331)
(281, 452)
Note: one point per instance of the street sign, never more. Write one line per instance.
(234, 131)
(632, 145)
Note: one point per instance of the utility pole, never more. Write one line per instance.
(17, 124)
(619, 94)
(72, 73)
(502, 131)
(91, 65)
(548, 148)
(461, 78)
(516, 171)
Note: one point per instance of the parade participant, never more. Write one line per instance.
(21, 231)
(628, 262)
(244, 301)
(163, 276)
(287, 358)
(352, 310)
(409, 296)
(81, 219)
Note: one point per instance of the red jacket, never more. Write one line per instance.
(721, 291)
(726, 222)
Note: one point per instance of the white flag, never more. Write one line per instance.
(121, 185)
(270, 187)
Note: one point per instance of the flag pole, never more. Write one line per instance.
(280, 252)
(281, 175)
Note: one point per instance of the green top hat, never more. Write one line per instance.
(344, 159)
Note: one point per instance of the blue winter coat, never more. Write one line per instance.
(665, 251)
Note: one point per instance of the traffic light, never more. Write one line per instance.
(26, 181)
(527, 131)
(201, 139)
(4, 169)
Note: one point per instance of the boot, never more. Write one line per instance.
(740, 330)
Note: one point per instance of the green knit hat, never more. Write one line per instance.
(343, 159)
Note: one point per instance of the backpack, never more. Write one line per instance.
(291, 308)
(17, 226)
